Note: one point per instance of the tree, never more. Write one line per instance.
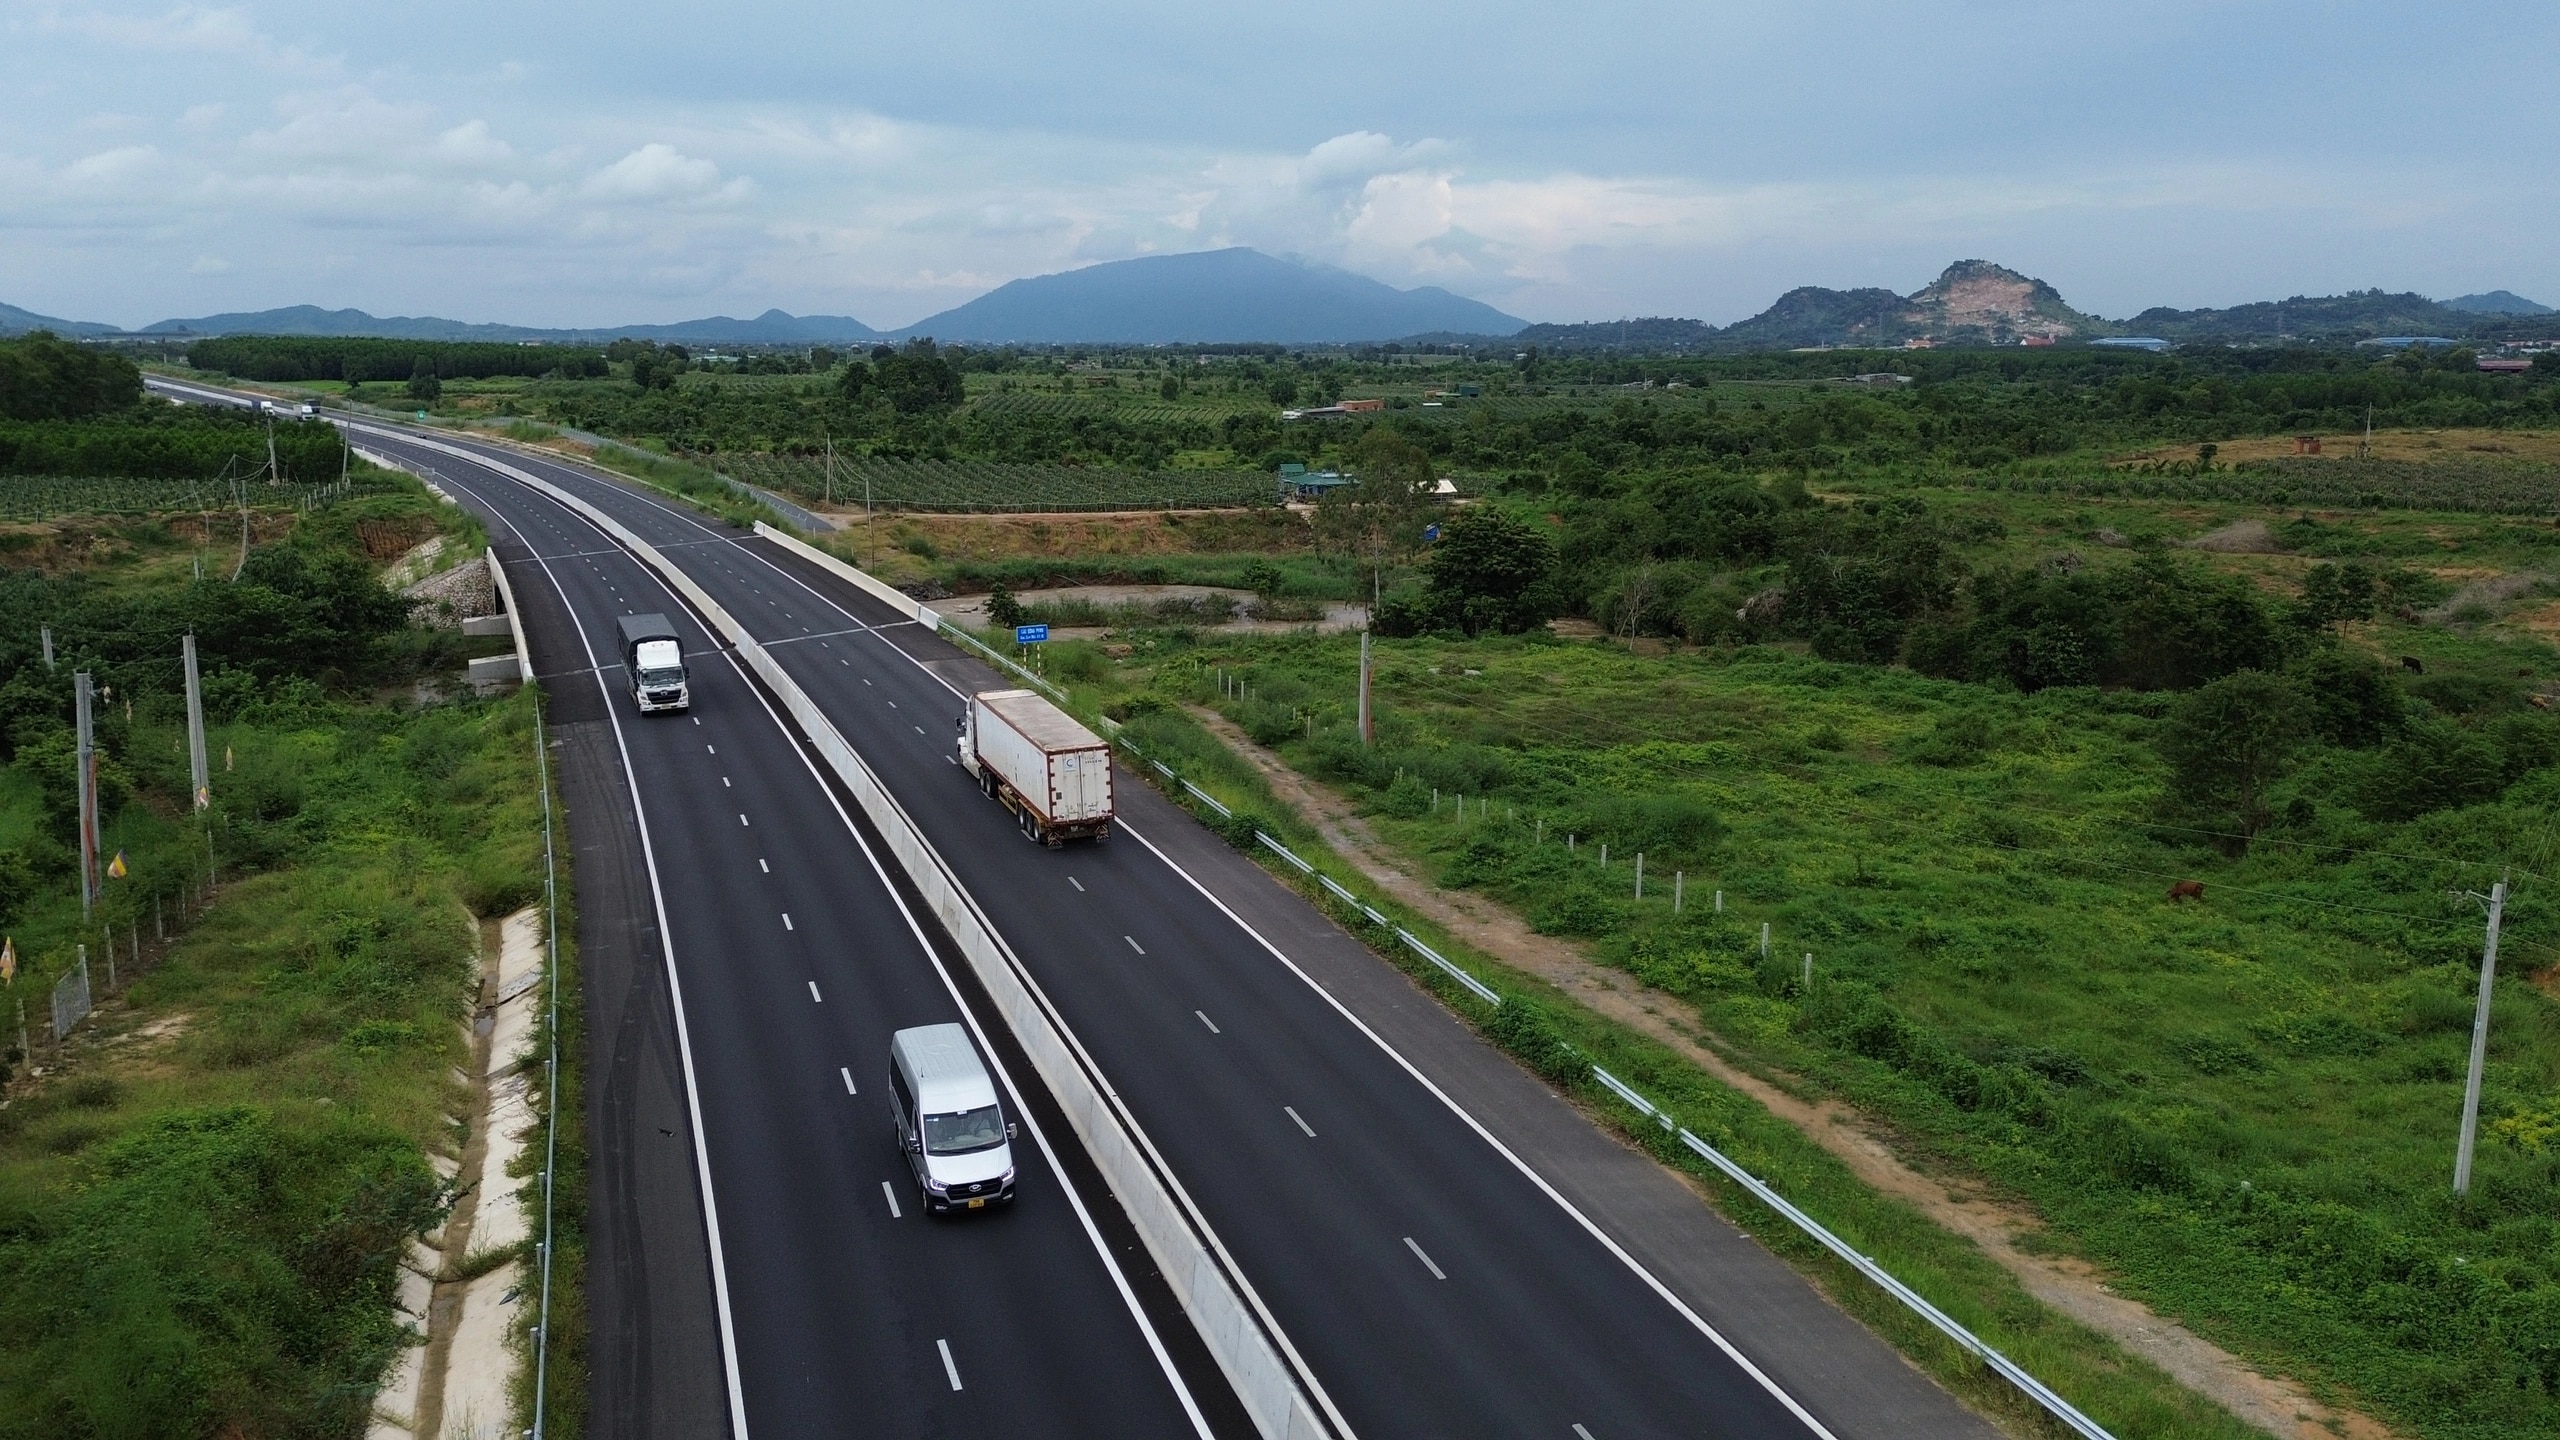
(918, 380)
(1380, 520)
(1003, 606)
(423, 384)
(2332, 594)
(43, 377)
(2227, 742)
(1491, 572)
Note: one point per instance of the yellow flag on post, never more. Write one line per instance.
(115, 867)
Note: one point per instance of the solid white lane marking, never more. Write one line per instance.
(947, 1367)
(1527, 1171)
(1434, 1269)
(891, 1195)
(763, 866)
(1070, 879)
(1302, 1124)
(786, 920)
(1134, 945)
(847, 1072)
(814, 995)
(1205, 1020)
(1120, 1282)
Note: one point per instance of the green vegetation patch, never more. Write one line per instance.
(2243, 1106)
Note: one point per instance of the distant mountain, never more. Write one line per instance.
(2496, 302)
(1971, 302)
(2357, 315)
(14, 321)
(773, 327)
(1208, 296)
(1651, 334)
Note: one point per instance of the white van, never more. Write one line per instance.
(948, 1120)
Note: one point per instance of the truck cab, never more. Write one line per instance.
(654, 655)
(948, 1120)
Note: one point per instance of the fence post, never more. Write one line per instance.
(1639, 874)
(1764, 939)
(1675, 892)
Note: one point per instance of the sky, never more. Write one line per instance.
(581, 163)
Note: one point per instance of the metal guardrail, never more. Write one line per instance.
(2007, 1369)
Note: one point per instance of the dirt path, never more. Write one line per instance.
(2273, 1404)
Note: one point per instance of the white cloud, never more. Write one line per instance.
(658, 173)
(198, 29)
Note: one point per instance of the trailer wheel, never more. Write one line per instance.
(1030, 827)
(986, 782)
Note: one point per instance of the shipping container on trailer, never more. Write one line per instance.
(1054, 774)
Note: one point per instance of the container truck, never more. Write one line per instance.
(654, 655)
(1052, 773)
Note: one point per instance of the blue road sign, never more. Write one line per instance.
(1029, 634)
(1431, 531)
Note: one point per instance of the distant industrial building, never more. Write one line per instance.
(2132, 342)
(2403, 342)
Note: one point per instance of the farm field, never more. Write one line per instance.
(996, 486)
(2242, 1109)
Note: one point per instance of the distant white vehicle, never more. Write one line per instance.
(307, 411)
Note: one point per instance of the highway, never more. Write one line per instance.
(844, 1310)
(1448, 1249)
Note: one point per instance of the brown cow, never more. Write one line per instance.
(2186, 890)
(2540, 702)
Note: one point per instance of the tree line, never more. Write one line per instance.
(354, 359)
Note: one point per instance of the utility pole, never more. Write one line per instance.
(196, 768)
(1368, 732)
(48, 647)
(2497, 899)
(831, 468)
(85, 779)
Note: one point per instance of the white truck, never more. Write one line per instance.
(654, 654)
(1052, 773)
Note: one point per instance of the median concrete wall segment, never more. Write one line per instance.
(515, 623)
(1282, 1397)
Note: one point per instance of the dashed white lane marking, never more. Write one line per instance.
(1302, 1123)
(742, 817)
(786, 921)
(1434, 1269)
(697, 719)
(724, 783)
(866, 679)
(763, 866)
(947, 1367)
(891, 1196)
(1072, 880)
(1205, 1020)
(1585, 1434)
(919, 729)
(711, 749)
(847, 1072)
(893, 704)
(1134, 945)
(821, 999)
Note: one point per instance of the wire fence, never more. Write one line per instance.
(2063, 1412)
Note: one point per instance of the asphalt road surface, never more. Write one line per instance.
(1450, 1248)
